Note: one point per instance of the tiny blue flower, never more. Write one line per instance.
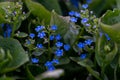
(41, 34)
(28, 42)
(39, 46)
(59, 44)
(108, 38)
(53, 27)
(56, 61)
(52, 37)
(32, 35)
(58, 37)
(2, 25)
(81, 45)
(7, 32)
(100, 33)
(84, 20)
(75, 3)
(85, 6)
(83, 56)
(50, 68)
(88, 1)
(59, 52)
(87, 25)
(48, 63)
(88, 42)
(66, 47)
(73, 19)
(77, 14)
(35, 60)
(38, 28)
(71, 13)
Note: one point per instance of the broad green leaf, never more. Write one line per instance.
(118, 4)
(65, 28)
(19, 57)
(54, 6)
(63, 61)
(7, 78)
(110, 24)
(99, 6)
(21, 34)
(29, 74)
(111, 17)
(87, 64)
(38, 10)
(102, 56)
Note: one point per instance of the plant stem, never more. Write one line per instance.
(13, 30)
(115, 70)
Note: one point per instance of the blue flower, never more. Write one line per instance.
(52, 37)
(48, 63)
(35, 60)
(38, 28)
(39, 46)
(66, 47)
(108, 38)
(88, 42)
(83, 56)
(59, 44)
(8, 30)
(2, 25)
(85, 6)
(49, 66)
(59, 52)
(53, 27)
(81, 45)
(32, 35)
(71, 13)
(75, 3)
(41, 34)
(77, 14)
(87, 25)
(73, 19)
(58, 37)
(56, 61)
(84, 20)
(88, 1)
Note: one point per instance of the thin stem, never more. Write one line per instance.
(115, 75)
(29, 26)
(13, 30)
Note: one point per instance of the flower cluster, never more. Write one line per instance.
(46, 39)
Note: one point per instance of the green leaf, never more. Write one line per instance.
(63, 61)
(65, 28)
(87, 64)
(102, 56)
(99, 6)
(118, 4)
(110, 23)
(38, 10)
(19, 57)
(111, 17)
(7, 78)
(54, 6)
(21, 34)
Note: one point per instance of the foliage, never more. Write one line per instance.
(38, 43)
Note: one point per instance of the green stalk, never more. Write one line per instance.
(13, 30)
(115, 75)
